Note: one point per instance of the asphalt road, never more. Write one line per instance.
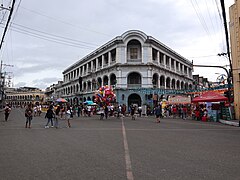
(115, 149)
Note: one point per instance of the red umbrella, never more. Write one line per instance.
(210, 96)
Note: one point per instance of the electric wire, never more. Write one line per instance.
(209, 16)
(200, 18)
(16, 10)
(64, 22)
(50, 39)
(45, 33)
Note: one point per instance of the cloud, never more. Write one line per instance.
(20, 84)
(39, 62)
(45, 82)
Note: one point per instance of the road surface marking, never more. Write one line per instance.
(127, 155)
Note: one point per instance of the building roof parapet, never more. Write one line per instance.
(120, 39)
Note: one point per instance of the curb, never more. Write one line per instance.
(231, 123)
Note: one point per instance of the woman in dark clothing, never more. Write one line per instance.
(158, 113)
(132, 109)
(29, 116)
(106, 111)
(57, 115)
(7, 111)
(50, 116)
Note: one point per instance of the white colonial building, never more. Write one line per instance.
(139, 67)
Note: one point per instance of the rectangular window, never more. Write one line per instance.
(133, 53)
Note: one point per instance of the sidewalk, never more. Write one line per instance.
(231, 123)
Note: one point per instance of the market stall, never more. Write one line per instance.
(210, 96)
(213, 105)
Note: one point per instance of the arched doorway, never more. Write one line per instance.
(134, 99)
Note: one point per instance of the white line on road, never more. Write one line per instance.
(127, 155)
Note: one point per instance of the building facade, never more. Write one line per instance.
(136, 65)
(20, 97)
(53, 92)
(234, 13)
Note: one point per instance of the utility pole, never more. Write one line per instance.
(226, 35)
(8, 21)
(2, 77)
(2, 82)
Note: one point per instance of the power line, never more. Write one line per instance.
(51, 40)
(17, 9)
(210, 16)
(200, 17)
(45, 33)
(51, 37)
(6, 27)
(64, 22)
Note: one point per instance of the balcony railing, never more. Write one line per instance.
(134, 85)
(134, 60)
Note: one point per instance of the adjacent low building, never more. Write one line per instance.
(20, 97)
(139, 68)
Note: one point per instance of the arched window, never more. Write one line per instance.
(99, 82)
(134, 51)
(134, 80)
(105, 80)
(94, 84)
(178, 84)
(155, 80)
(173, 84)
(168, 83)
(190, 86)
(113, 79)
(89, 86)
(162, 82)
(182, 85)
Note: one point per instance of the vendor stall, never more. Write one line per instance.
(210, 96)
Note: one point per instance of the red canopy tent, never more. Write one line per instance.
(210, 96)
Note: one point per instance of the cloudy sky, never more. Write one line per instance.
(45, 37)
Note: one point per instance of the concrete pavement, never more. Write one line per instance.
(94, 149)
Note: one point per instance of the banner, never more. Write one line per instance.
(179, 100)
(177, 91)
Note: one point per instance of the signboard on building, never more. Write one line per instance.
(179, 100)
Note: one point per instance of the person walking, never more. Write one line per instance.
(132, 110)
(69, 115)
(106, 111)
(119, 110)
(7, 111)
(29, 116)
(49, 115)
(57, 116)
(62, 112)
(184, 114)
(158, 112)
(79, 109)
(140, 111)
(101, 112)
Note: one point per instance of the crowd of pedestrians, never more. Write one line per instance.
(66, 112)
